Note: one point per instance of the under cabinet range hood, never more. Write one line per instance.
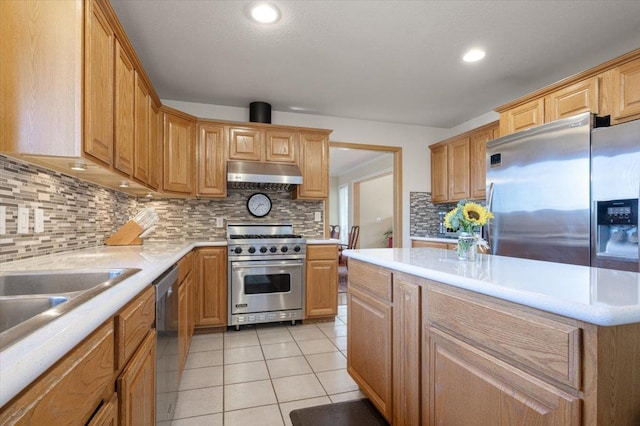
(249, 174)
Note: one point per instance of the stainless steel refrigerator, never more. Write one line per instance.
(539, 189)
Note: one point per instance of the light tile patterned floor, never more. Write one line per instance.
(256, 376)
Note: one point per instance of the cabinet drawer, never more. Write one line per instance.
(370, 278)
(72, 389)
(132, 325)
(541, 344)
(185, 265)
(322, 252)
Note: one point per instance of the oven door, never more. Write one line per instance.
(266, 285)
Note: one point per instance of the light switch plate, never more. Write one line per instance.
(219, 222)
(23, 220)
(318, 216)
(38, 220)
(3, 220)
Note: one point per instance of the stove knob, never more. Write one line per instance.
(273, 249)
(237, 250)
(252, 249)
(263, 249)
(284, 249)
(296, 249)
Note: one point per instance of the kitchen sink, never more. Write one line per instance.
(31, 299)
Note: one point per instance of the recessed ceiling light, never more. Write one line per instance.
(149, 195)
(124, 184)
(78, 166)
(265, 13)
(473, 55)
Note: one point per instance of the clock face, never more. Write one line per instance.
(259, 204)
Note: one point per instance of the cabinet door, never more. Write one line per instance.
(314, 165)
(107, 415)
(211, 291)
(369, 348)
(71, 391)
(141, 142)
(183, 325)
(178, 154)
(212, 161)
(98, 84)
(523, 117)
(572, 100)
(281, 146)
(468, 387)
(245, 144)
(124, 111)
(406, 352)
(155, 146)
(439, 175)
(626, 97)
(478, 162)
(322, 288)
(137, 386)
(458, 169)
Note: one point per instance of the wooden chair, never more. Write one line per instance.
(351, 244)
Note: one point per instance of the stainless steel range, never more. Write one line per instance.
(266, 274)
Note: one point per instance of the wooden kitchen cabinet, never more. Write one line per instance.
(458, 165)
(212, 160)
(185, 307)
(626, 95)
(407, 346)
(72, 390)
(246, 143)
(523, 117)
(98, 84)
(179, 146)
(471, 387)
(125, 114)
(281, 145)
(155, 146)
(571, 100)
(141, 139)
(136, 386)
(321, 295)
(369, 333)
(211, 287)
(132, 325)
(107, 415)
(434, 244)
(314, 165)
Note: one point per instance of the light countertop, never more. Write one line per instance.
(25, 360)
(599, 296)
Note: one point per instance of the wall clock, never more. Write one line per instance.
(259, 204)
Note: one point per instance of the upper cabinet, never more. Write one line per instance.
(258, 143)
(281, 146)
(142, 130)
(125, 76)
(458, 165)
(314, 164)
(245, 143)
(155, 145)
(179, 145)
(211, 160)
(612, 88)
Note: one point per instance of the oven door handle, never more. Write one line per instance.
(260, 264)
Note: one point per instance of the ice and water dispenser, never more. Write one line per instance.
(617, 230)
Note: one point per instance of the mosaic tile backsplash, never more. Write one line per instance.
(78, 214)
(423, 214)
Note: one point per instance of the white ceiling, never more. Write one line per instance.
(343, 160)
(393, 61)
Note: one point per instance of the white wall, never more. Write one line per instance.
(414, 140)
(376, 203)
(333, 200)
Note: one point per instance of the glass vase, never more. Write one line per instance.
(467, 246)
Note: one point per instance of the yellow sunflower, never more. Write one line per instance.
(447, 218)
(476, 214)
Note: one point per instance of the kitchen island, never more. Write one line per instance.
(499, 340)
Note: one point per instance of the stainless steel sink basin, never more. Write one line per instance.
(30, 300)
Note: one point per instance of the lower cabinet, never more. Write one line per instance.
(185, 307)
(136, 386)
(211, 287)
(321, 298)
(107, 415)
(433, 244)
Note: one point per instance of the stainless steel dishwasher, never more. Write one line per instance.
(167, 372)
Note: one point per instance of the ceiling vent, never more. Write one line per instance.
(260, 112)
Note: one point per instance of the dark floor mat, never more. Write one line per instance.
(350, 413)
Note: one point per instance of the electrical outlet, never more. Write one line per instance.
(38, 220)
(220, 222)
(3, 220)
(23, 220)
(318, 216)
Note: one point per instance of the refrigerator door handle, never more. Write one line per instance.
(487, 227)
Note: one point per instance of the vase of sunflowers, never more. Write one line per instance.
(467, 218)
